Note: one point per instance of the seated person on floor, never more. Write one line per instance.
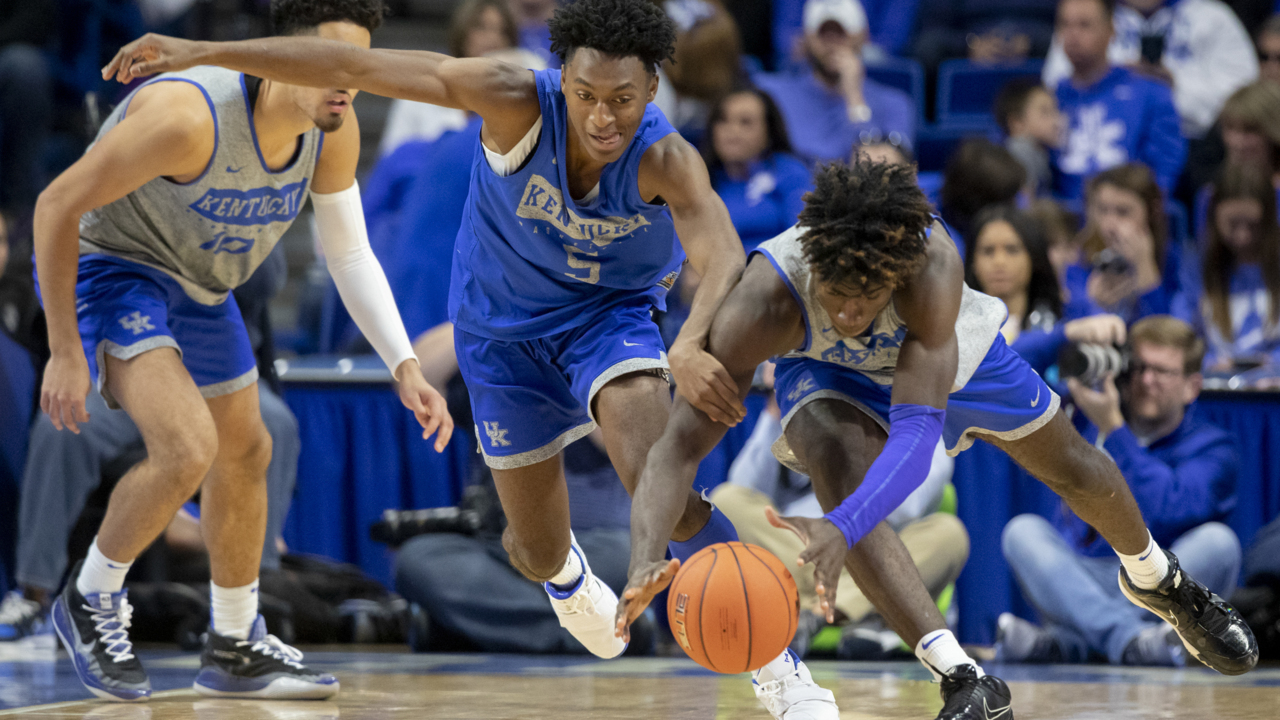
(937, 541)
(1182, 472)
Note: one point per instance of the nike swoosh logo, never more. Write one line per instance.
(235, 170)
(926, 645)
(1037, 400)
(631, 344)
(986, 709)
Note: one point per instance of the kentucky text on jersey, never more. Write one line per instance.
(543, 201)
(258, 206)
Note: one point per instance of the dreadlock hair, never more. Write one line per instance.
(620, 28)
(864, 226)
(296, 17)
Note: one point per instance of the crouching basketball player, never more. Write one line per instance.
(882, 349)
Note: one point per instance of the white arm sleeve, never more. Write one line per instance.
(360, 280)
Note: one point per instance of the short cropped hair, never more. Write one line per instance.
(864, 226)
(621, 28)
(294, 17)
(1013, 100)
(1168, 331)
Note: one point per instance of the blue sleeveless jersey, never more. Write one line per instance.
(530, 262)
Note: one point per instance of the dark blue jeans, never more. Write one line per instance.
(1079, 597)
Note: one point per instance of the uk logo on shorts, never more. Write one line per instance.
(497, 435)
(137, 322)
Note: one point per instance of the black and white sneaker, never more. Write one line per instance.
(95, 632)
(260, 667)
(19, 617)
(965, 696)
(1211, 630)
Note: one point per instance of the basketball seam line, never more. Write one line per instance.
(702, 607)
(746, 599)
(781, 586)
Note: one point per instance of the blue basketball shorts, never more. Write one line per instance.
(1005, 398)
(125, 309)
(532, 398)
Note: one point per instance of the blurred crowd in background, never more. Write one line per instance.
(1110, 170)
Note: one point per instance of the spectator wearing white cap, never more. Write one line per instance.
(832, 105)
(1198, 46)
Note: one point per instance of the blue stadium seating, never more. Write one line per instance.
(967, 91)
(905, 75)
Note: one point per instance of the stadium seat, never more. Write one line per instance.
(967, 91)
(905, 75)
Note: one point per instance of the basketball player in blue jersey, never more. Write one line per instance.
(881, 350)
(187, 188)
(579, 190)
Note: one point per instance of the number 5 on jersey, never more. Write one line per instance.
(591, 266)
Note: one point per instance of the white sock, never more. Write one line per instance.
(234, 609)
(1148, 568)
(778, 668)
(570, 573)
(100, 574)
(940, 652)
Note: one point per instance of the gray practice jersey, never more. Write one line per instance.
(875, 353)
(209, 234)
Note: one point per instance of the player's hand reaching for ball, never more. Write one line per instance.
(705, 383)
(426, 402)
(641, 587)
(151, 54)
(66, 385)
(825, 550)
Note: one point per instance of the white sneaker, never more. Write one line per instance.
(786, 689)
(588, 611)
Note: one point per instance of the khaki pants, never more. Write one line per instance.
(938, 544)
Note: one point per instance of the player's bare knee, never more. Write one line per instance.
(538, 561)
(252, 453)
(185, 453)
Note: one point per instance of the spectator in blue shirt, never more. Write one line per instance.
(890, 23)
(1128, 267)
(751, 165)
(1250, 123)
(1240, 306)
(1182, 471)
(1008, 259)
(1114, 115)
(832, 105)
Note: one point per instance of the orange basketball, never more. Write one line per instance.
(733, 607)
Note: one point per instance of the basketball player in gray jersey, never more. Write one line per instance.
(881, 351)
(190, 183)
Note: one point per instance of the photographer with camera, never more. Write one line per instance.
(1127, 267)
(1182, 472)
(1114, 114)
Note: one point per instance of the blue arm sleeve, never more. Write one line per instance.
(901, 468)
(1040, 347)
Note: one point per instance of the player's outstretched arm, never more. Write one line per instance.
(168, 132)
(486, 87)
(758, 320)
(361, 282)
(674, 171)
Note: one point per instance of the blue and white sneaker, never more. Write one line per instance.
(786, 689)
(588, 610)
(95, 632)
(19, 617)
(260, 667)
